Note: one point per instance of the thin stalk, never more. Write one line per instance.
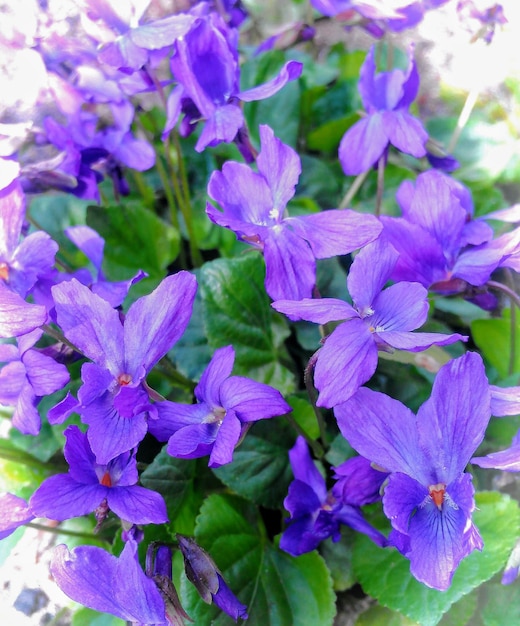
(471, 100)
(15, 456)
(196, 257)
(514, 297)
(62, 531)
(515, 300)
(512, 355)
(354, 188)
(311, 391)
(173, 374)
(380, 184)
(55, 334)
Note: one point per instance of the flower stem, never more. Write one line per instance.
(471, 100)
(311, 391)
(62, 531)
(515, 300)
(354, 188)
(380, 184)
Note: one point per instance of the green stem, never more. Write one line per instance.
(311, 391)
(196, 257)
(354, 188)
(380, 184)
(61, 531)
(17, 456)
(55, 334)
(471, 100)
(515, 300)
(173, 374)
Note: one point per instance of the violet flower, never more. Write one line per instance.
(14, 512)
(428, 498)
(315, 513)
(108, 584)
(386, 97)
(439, 244)
(21, 263)
(90, 486)
(114, 399)
(504, 401)
(254, 207)
(27, 376)
(18, 317)
(380, 319)
(205, 64)
(207, 578)
(226, 407)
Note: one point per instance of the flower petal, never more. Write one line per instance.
(137, 505)
(363, 144)
(290, 71)
(227, 438)
(90, 323)
(60, 497)
(319, 311)
(400, 307)
(452, 422)
(382, 430)
(217, 371)
(290, 266)
(252, 400)
(155, 322)
(335, 232)
(280, 165)
(108, 584)
(346, 361)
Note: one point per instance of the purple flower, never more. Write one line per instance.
(428, 498)
(205, 575)
(114, 399)
(254, 208)
(18, 317)
(109, 584)
(27, 376)
(21, 263)
(90, 486)
(381, 319)
(504, 401)
(14, 512)
(226, 407)
(131, 40)
(439, 244)
(386, 98)
(315, 513)
(205, 64)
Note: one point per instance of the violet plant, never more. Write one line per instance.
(256, 354)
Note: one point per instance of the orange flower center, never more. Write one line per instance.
(437, 494)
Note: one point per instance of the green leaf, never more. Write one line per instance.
(338, 558)
(282, 110)
(135, 239)
(278, 589)
(191, 354)
(177, 481)
(260, 470)
(236, 311)
(304, 415)
(385, 574)
(493, 337)
(88, 617)
(503, 605)
(377, 615)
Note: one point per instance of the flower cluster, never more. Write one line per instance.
(122, 343)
